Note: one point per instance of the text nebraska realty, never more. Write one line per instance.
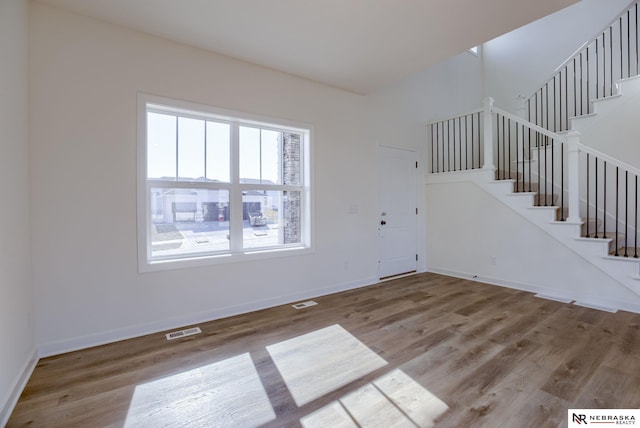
(611, 419)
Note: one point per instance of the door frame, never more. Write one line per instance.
(419, 202)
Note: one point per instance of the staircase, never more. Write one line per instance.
(538, 167)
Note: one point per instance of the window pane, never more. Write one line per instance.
(188, 221)
(190, 149)
(161, 146)
(270, 157)
(271, 218)
(249, 155)
(218, 152)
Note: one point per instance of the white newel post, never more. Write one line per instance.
(573, 176)
(488, 133)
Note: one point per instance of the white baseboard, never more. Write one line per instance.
(60, 347)
(585, 300)
(18, 386)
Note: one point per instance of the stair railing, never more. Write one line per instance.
(590, 73)
(532, 156)
(456, 143)
(561, 171)
(609, 195)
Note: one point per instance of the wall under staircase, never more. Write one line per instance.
(475, 232)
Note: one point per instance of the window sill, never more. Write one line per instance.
(219, 259)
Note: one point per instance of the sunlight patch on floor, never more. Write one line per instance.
(322, 361)
(228, 393)
(391, 400)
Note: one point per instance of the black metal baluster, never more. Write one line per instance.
(523, 156)
(460, 139)
(566, 96)
(635, 224)
(552, 203)
(498, 144)
(560, 104)
(555, 109)
(529, 153)
(504, 151)
(604, 200)
(449, 147)
(479, 142)
(617, 204)
(595, 166)
(562, 181)
(587, 235)
(546, 176)
(466, 144)
(509, 145)
(539, 162)
(626, 211)
(437, 147)
(453, 144)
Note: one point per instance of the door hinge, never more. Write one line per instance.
(416, 257)
(416, 164)
(416, 211)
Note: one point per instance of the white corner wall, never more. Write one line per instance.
(84, 78)
(399, 114)
(17, 354)
(472, 234)
(520, 62)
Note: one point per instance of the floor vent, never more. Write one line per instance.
(304, 304)
(183, 333)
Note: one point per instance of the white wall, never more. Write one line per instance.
(615, 128)
(472, 233)
(520, 62)
(16, 330)
(84, 79)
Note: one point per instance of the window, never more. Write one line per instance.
(218, 186)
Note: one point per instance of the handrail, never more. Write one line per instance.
(608, 159)
(531, 125)
(472, 112)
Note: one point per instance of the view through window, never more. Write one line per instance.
(220, 185)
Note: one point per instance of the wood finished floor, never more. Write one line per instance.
(496, 357)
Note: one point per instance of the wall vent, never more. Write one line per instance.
(304, 304)
(183, 333)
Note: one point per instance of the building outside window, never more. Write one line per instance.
(215, 186)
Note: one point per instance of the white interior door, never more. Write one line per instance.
(397, 219)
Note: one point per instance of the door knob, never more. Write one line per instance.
(383, 222)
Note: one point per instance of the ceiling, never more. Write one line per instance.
(357, 45)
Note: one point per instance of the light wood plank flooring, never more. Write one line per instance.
(425, 350)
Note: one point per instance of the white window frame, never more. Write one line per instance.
(147, 263)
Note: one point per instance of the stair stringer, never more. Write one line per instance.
(624, 271)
